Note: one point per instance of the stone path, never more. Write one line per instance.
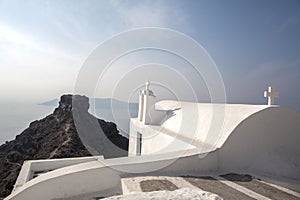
(260, 187)
(212, 185)
(66, 131)
(229, 186)
(179, 194)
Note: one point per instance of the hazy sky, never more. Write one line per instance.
(254, 43)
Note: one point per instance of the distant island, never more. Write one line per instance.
(53, 102)
(56, 136)
(100, 103)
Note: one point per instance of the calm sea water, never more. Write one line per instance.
(16, 117)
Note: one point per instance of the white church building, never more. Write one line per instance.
(179, 139)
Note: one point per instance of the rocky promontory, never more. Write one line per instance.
(70, 131)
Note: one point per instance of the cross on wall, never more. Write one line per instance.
(271, 95)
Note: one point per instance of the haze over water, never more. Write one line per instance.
(16, 117)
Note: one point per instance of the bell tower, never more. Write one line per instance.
(147, 101)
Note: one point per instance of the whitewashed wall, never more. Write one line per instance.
(265, 143)
(207, 126)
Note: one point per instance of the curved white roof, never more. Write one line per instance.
(205, 123)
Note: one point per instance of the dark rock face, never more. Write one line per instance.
(56, 136)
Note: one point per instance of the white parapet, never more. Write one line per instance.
(31, 167)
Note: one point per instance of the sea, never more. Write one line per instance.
(16, 117)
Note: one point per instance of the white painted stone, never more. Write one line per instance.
(168, 105)
(190, 125)
(267, 144)
(271, 95)
(147, 113)
(31, 166)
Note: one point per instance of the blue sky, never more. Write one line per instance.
(254, 43)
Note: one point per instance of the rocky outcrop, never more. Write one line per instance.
(70, 131)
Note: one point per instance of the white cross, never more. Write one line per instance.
(147, 85)
(271, 95)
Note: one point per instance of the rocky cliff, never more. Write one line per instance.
(70, 131)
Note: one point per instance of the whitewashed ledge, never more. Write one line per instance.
(179, 194)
